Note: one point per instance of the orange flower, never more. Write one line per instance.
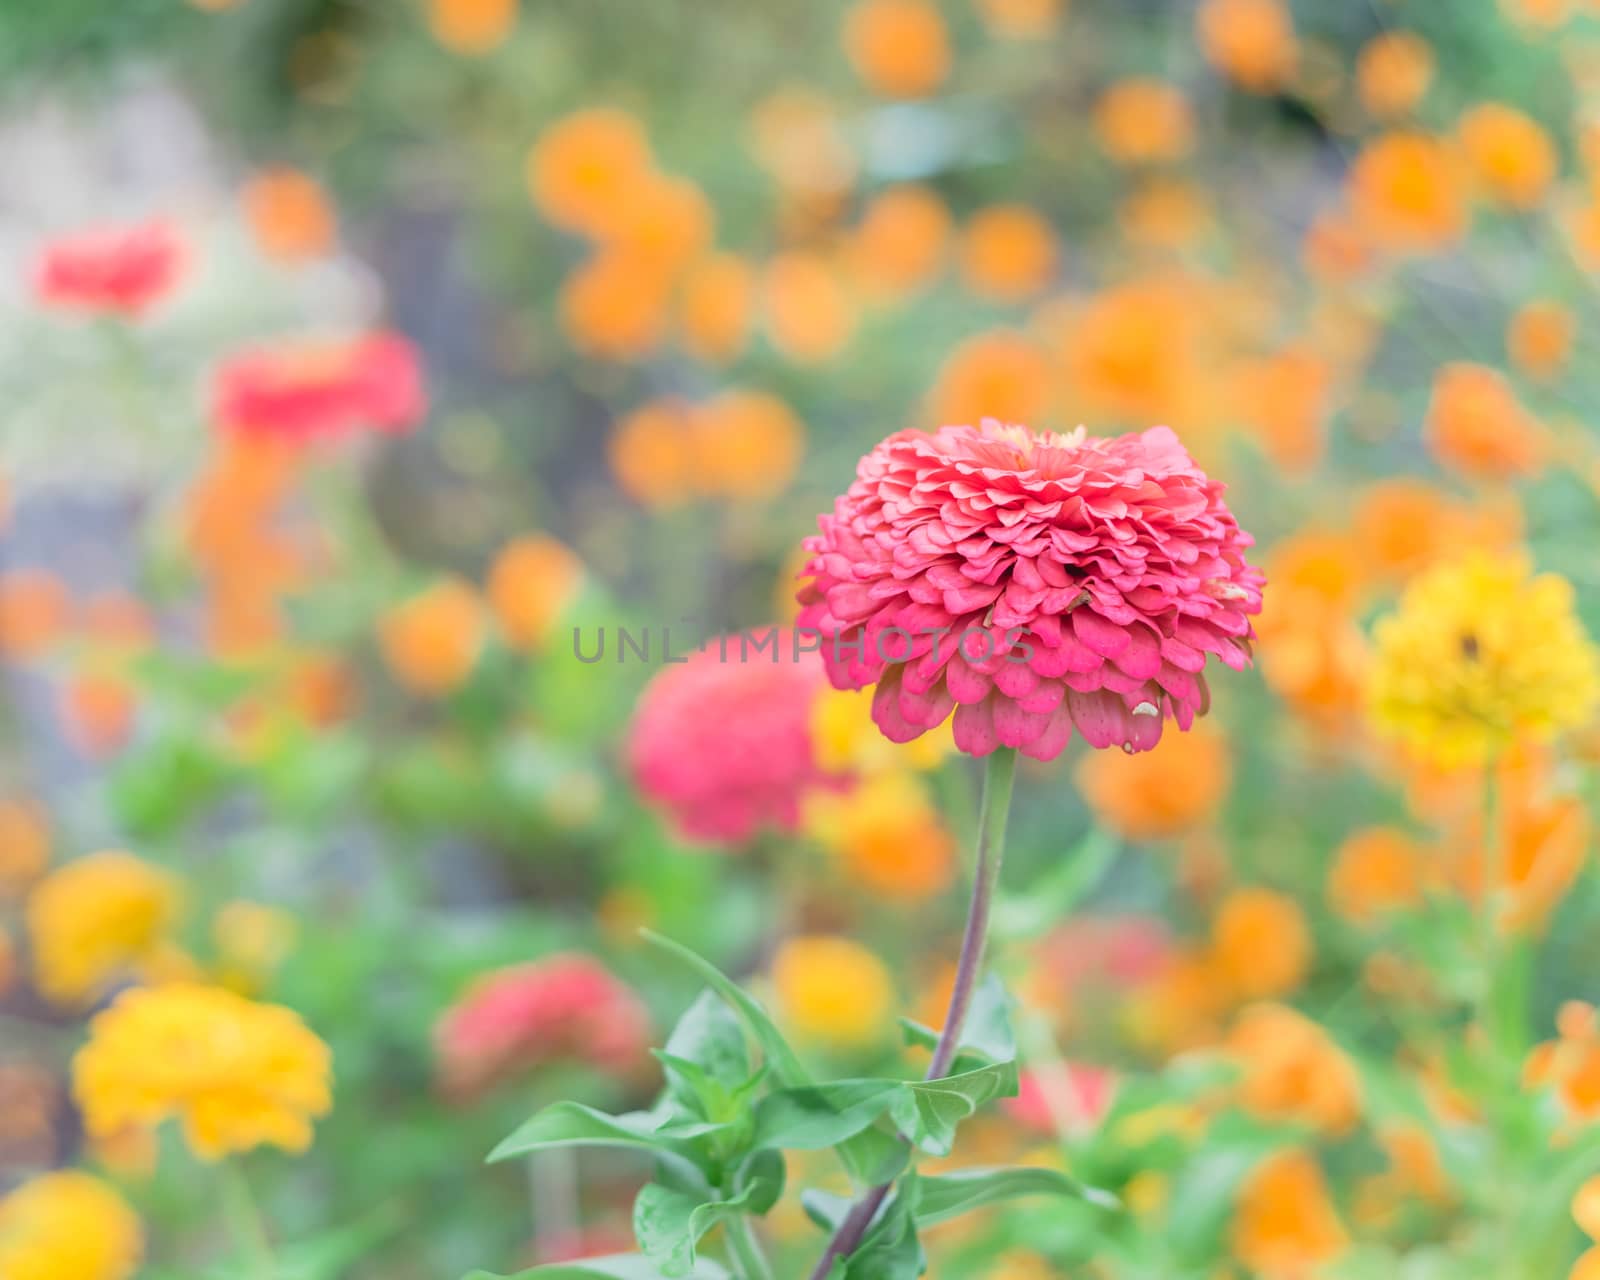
(900, 244)
(1286, 1226)
(1393, 72)
(616, 304)
(586, 166)
(1570, 1064)
(887, 836)
(24, 846)
(714, 311)
(746, 445)
(98, 707)
(1402, 526)
(1020, 19)
(532, 580)
(33, 613)
(1477, 427)
(1511, 157)
(1407, 193)
(117, 621)
(1336, 248)
(471, 26)
(809, 315)
(1284, 397)
(899, 48)
(1252, 42)
(1158, 794)
(1375, 871)
(1539, 339)
(1260, 943)
(1142, 120)
(1008, 253)
(1165, 213)
(1181, 1009)
(431, 641)
(665, 222)
(651, 456)
(796, 134)
(289, 215)
(1292, 1070)
(1001, 374)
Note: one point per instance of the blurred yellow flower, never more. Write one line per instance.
(252, 941)
(1000, 374)
(1510, 155)
(1008, 253)
(716, 303)
(471, 26)
(96, 920)
(1250, 41)
(832, 990)
(1375, 871)
(1393, 72)
(1155, 795)
(845, 739)
(1477, 655)
(1407, 192)
(68, 1226)
(900, 243)
(585, 166)
(887, 835)
(235, 1073)
(899, 48)
(1143, 120)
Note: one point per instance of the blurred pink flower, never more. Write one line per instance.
(116, 270)
(1032, 583)
(305, 391)
(1086, 1094)
(565, 1007)
(723, 741)
(1106, 951)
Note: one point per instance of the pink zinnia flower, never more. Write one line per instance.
(1083, 1096)
(723, 741)
(116, 270)
(1032, 583)
(566, 1007)
(308, 391)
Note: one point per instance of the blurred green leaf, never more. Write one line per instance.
(948, 1195)
(570, 1124)
(817, 1116)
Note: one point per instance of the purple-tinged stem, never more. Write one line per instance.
(993, 810)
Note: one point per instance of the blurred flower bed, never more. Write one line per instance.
(394, 392)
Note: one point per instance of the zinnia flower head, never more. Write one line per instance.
(306, 391)
(116, 270)
(1031, 583)
(1478, 654)
(723, 742)
(235, 1073)
(96, 920)
(68, 1226)
(561, 1008)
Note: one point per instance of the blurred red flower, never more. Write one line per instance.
(115, 270)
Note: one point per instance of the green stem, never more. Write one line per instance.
(245, 1222)
(747, 1251)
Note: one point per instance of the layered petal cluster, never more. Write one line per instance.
(306, 391)
(561, 1008)
(1030, 583)
(116, 271)
(237, 1074)
(724, 743)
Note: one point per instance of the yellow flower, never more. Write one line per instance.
(846, 741)
(1479, 654)
(68, 1226)
(96, 920)
(252, 940)
(235, 1073)
(887, 834)
(832, 990)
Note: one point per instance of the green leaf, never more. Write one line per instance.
(669, 1224)
(825, 1209)
(891, 1250)
(928, 1112)
(946, 1196)
(570, 1124)
(986, 1036)
(763, 1175)
(622, 1266)
(817, 1116)
(783, 1060)
(708, 1034)
(874, 1156)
